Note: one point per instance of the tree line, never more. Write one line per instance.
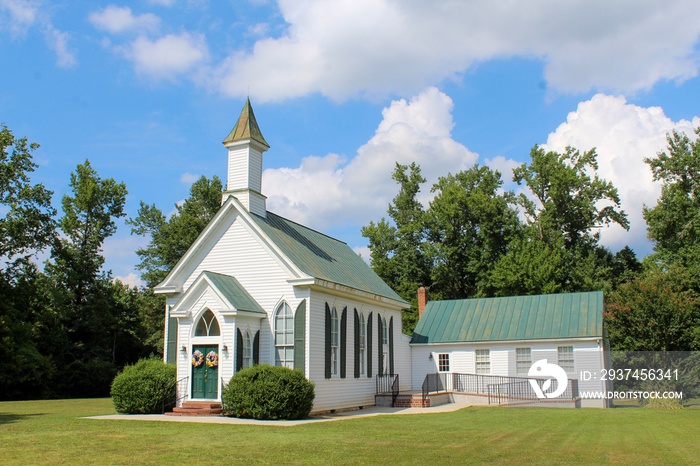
(476, 239)
(67, 326)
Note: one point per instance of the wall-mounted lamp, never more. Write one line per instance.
(184, 349)
(430, 356)
(225, 349)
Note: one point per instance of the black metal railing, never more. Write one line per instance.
(521, 390)
(180, 395)
(385, 382)
(394, 389)
(434, 383)
(498, 388)
(388, 383)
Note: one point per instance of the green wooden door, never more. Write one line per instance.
(205, 379)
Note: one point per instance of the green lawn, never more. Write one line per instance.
(51, 432)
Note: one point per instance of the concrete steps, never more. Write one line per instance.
(197, 408)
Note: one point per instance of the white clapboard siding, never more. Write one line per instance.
(350, 392)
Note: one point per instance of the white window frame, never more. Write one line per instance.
(523, 360)
(208, 325)
(335, 343)
(565, 358)
(482, 361)
(363, 344)
(284, 336)
(443, 360)
(247, 349)
(385, 346)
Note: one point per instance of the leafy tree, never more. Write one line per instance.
(80, 294)
(674, 223)
(26, 371)
(27, 224)
(570, 198)
(397, 254)
(26, 227)
(469, 225)
(657, 311)
(89, 217)
(170, 238)
(558, 251)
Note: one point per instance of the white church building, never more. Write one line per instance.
(258, 288)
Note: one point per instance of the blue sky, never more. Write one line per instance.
(147, 90)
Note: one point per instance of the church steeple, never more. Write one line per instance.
(246, 127)
(246, 144)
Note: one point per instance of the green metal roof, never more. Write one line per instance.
(565, 315)
(323, 257)
(234, 292)
(246, 127)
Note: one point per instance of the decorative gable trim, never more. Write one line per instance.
(228, 303)
(173, 283)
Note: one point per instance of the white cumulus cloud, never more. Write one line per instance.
(117, 20)
(188, 178)
(348, 48)
(623, 135)
(17, 16)
(332, 190)
(169, 56)
(58, 42)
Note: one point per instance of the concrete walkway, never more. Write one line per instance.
(358, 413)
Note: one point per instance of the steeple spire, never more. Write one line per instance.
(246, 144)
(246, 127)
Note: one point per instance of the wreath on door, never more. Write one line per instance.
(212, 359)
(197, 358)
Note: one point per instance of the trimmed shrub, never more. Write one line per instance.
(268, 392)
(142, 387)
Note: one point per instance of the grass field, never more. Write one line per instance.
(52, 432)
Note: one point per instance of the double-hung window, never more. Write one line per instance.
(284, 336)
(443, 362)
(523, 360)
(483, 361)
(362, 343)
(247, 350)
(335, 344)
(565, 358)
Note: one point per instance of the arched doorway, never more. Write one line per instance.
(205, 359)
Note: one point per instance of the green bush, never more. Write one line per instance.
(142, 387)
(268, 392)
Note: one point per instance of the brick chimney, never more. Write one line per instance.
(422, 300)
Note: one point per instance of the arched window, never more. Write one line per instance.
(385, 347)
(247, 350)
(363, 343)
(207, 326)
(335, 343)
(284, 336)
(385, 332)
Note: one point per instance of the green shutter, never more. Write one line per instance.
(172, 340)
(357, 344)
(256, 348)
(380, 347)
(369, 345)
(391, 345)
(239, 350)
(300, 337)
(343, 341)
(328, 343)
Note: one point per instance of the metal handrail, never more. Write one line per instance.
(395, 389)
(180, 394)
